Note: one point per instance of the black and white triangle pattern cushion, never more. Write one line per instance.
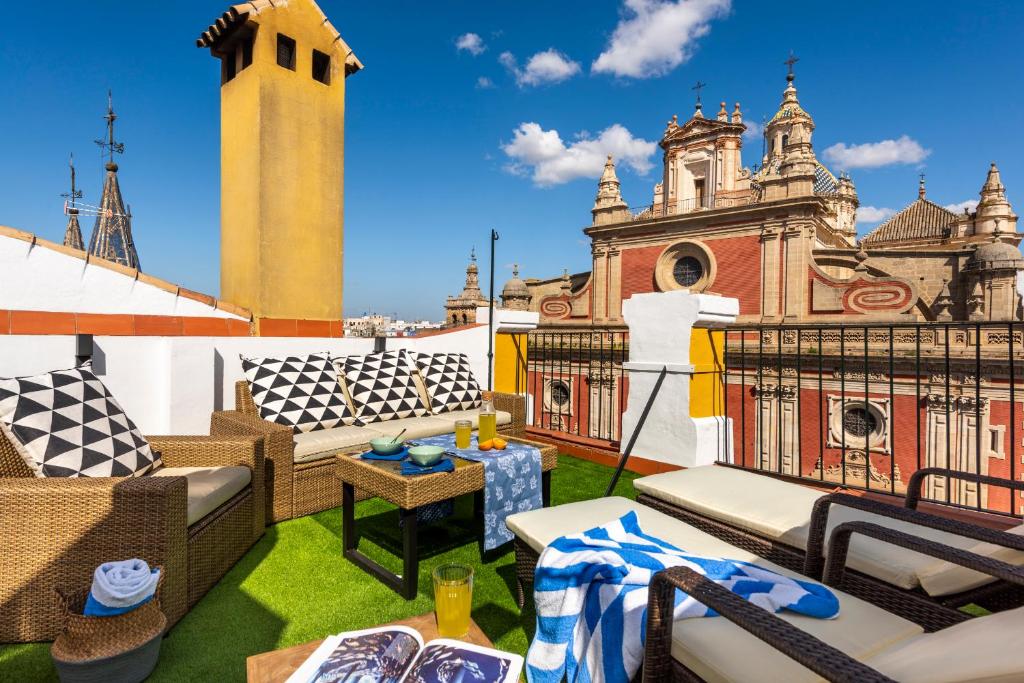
(382, 387)
(449, 381)
(301, 392)
(67, 424)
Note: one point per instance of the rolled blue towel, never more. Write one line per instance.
(119, 587)
(411, 468)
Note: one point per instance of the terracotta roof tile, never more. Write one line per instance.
(920, 220)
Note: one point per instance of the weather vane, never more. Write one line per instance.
(793, 59)
(697, 87)
(74, 194)
(109, 146)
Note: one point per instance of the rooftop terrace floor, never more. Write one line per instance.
(294, 586)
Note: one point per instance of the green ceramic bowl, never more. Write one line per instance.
(425, 456)
(385, 445)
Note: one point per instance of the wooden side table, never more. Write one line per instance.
(383, 478)
(277, 666)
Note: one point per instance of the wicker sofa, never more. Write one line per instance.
(195, 522)
(300, 468)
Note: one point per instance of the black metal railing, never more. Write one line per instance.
(864, 406)
(576, 382)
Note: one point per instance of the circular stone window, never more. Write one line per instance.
(559, 393)
(685, 265)
(860, 423)
(688, 271)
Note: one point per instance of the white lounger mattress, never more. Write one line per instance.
(781, 511)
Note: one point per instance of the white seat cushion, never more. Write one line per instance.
(782, 511)
(769, 507)
(473, 416)
(417, 427)
(208, 487)
(710, 645)
(326, 443)
(943, 578)
(983, 650)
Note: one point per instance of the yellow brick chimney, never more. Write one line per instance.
(283, 72)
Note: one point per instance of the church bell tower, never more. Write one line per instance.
(283, 71)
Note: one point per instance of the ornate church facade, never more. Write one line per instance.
(781, 238)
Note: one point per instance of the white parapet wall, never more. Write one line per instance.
(171, 385)
(660, 327)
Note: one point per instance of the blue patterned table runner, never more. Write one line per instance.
(511, 482)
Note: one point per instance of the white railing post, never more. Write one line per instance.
(660, 330)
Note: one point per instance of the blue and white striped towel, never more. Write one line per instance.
(591, 595)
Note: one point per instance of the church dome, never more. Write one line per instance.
(996, 255)
(515, 294)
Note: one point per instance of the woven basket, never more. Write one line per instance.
(120, 649)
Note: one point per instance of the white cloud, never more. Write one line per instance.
(542, 155)
(484, 83)
(753, 132)
(655, 36)
(903, 150)
(549, 66)
(871, 214)
(471, 43)
(968, 204)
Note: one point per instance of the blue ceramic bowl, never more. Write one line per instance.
(425, 456)
(385, 445)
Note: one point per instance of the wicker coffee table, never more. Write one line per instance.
(381, 478)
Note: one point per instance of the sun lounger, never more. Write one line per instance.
(789, 524)
(864, 643)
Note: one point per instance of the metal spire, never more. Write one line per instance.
(73, 231)
(110, 146)
(793, 59)
(698, 87)
(73, 194)
(112, 233)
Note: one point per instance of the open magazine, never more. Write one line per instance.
(393, 654)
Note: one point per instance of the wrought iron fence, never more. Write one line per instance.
(576, 381)
(864, 406)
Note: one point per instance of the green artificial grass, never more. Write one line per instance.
(293, 586)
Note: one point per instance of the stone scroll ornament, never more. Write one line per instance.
(865, 296)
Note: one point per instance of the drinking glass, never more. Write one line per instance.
(453, 598)
(463, 433)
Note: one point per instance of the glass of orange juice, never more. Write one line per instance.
(463, 433)
(453, 598)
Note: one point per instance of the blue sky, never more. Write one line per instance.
(434, 159)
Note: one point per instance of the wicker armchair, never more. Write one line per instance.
(298, 489)
(56, 531)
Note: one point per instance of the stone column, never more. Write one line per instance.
(660, 331)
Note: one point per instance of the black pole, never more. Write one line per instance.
(490, 319)
(636, 432)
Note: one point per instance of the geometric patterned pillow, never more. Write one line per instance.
(449, 381)
(301, 392)
(381, 386)
(66, 424)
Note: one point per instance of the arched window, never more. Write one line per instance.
(785, 141)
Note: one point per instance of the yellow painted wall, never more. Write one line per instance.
(506, 357)
(706, 355)
(282, 173)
